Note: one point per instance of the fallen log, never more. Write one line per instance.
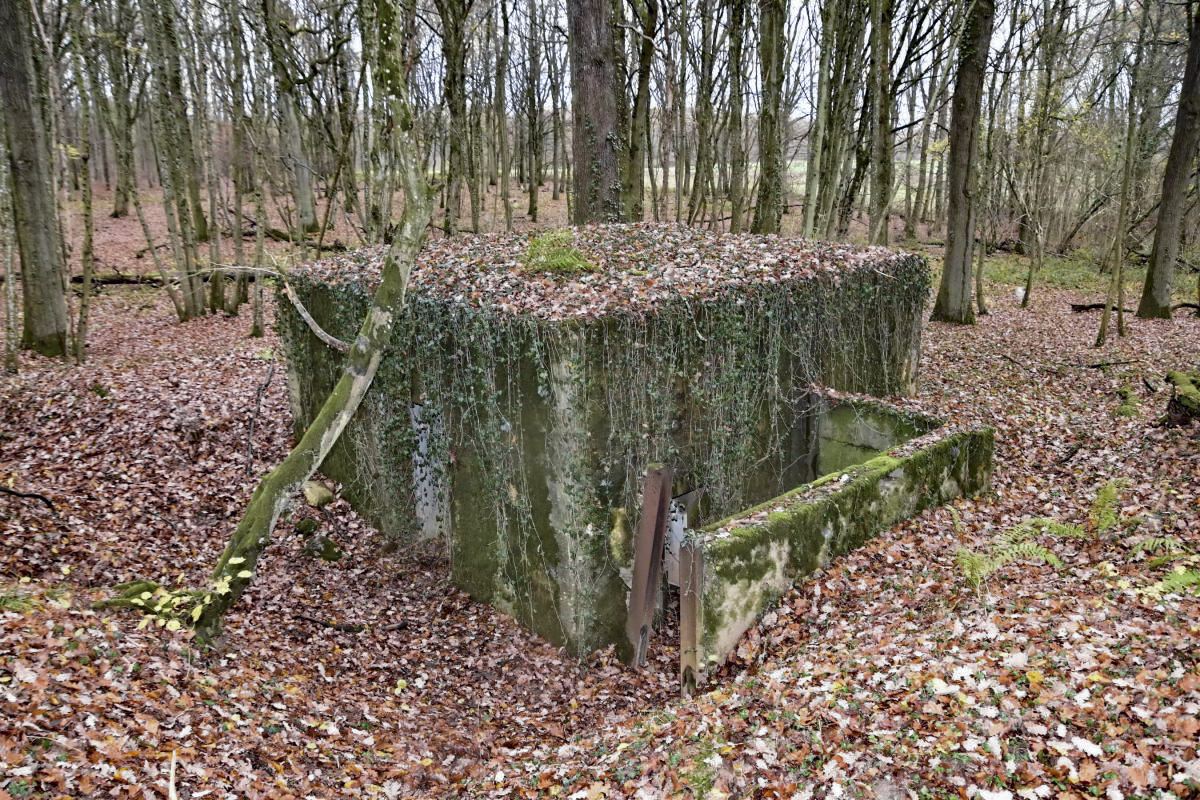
(1184, 405)
(1080, 308)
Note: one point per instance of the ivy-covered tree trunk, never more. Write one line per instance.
(237, 564)
(596, 137)
(882, 162)
(769, 210)
(954, 298)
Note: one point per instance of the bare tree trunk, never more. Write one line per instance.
(86, 254)
(737, 90)
(453, 14)
(954, 301)
(819, 130)
(39, 237)
(533, 109)
(502, 118)
(635, 187)
(8, 262)
(1115, 287)
(1160, 277)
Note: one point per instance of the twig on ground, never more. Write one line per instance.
(344, 627)
(1071, 452)
(31, 496)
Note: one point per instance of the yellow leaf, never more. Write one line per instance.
(425, 762)
(245, 574)
(236, 560)
(1035, 677)
(173, 625)
(196, 612)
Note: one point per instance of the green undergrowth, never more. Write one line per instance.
(1027, 542)
(555, 252)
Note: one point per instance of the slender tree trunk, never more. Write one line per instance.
(769, 208)
(882, 160)
(737, 89)
(238, 562)
(1160, 277)
(453, 14)
(86, 254)
(635, 187)
(954, 301)
(8, 263)
(1116, 289)
(35, 213)
(819, 132)
(533, 110)
(502, 118)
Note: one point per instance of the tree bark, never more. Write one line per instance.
(1160, 277)
(882, 164)
(954, 300)
(86, 253)
(768, 211)
(737, 90)
(635, 181)
(596, 144)
(35, 213)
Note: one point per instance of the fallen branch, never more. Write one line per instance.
(1103, 364)
(1071, 452)
(120, 279)
(1178, 306)
(327, 338)
(30, 496)
(344, 627)
(1009, 358)
(1080, 308)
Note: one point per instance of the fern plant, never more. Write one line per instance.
(1105, 513)
(1180, 580)
(555, 252)
(1014, 545)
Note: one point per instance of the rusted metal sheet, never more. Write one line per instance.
(647, 560)
(691, 588)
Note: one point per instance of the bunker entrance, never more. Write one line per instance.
(516, 413)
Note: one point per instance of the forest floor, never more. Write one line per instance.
(885, 675)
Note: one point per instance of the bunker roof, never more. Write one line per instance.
(633, 268)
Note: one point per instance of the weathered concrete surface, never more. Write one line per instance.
(752, 558)
(519, 440)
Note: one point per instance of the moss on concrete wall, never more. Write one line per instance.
(751, 558)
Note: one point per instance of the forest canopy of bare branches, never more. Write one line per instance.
(268, 119)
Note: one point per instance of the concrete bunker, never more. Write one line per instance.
(515, 415)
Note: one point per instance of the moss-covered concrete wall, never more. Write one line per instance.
(752, 558)
(537, 428)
